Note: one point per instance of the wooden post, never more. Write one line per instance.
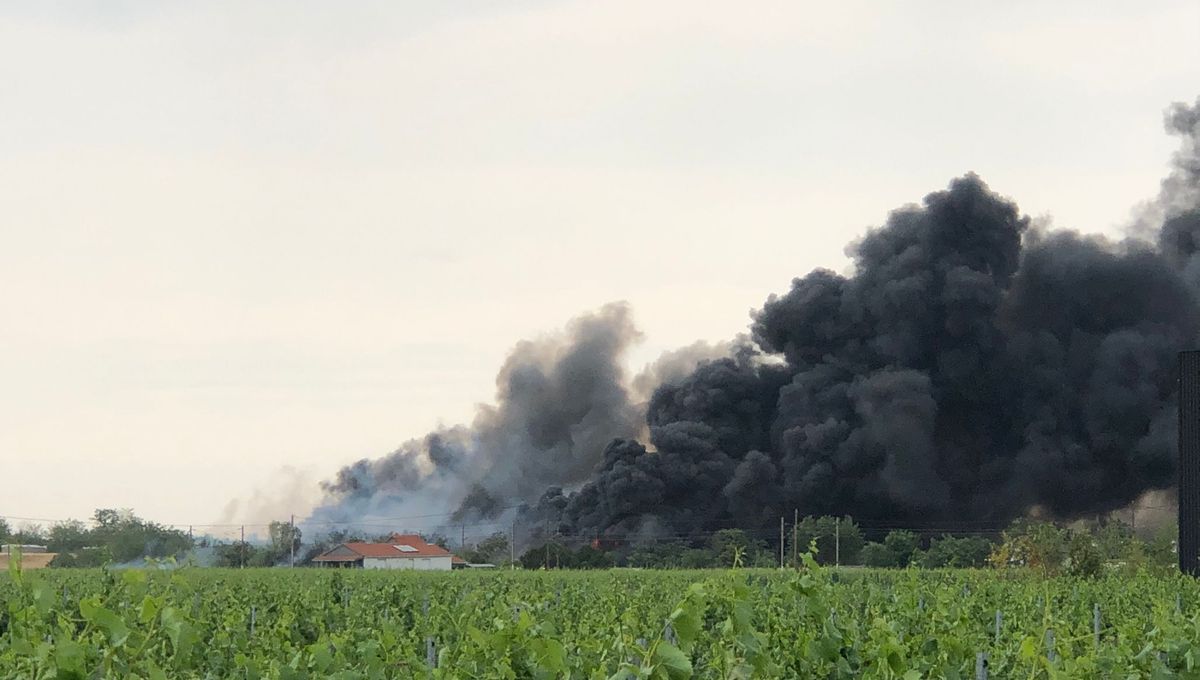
(795, 537)
(512, 547)
(1050, 656)
(781, 541)
(837, 541)
(1189, 462)
(999, 618)
(981, 667)
(1096, 623)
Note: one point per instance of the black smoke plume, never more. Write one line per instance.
(971, 367)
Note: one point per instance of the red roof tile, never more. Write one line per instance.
(388, 550)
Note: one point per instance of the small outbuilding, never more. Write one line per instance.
(401, 551)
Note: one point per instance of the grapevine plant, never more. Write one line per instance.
(811, 622)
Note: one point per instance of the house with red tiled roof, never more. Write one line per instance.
(401, 551)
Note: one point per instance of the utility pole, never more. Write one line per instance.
(512, 547)
(242, 562)
(837, 541)
(462, 542)
(292, 541)
(781, 541)
(795, 537)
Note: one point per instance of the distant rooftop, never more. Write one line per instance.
(397, 546)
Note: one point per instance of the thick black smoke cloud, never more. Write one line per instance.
(971, 367)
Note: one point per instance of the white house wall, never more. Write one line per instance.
(413, 563)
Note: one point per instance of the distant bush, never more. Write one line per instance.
(878, 555)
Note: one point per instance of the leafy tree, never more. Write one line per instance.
(238, 554)
(4, 530)
(555, 555)
(1114, 540)
(491, 550)
(128, 537)
(834, 537)
(68, 536)
(727, 544)
(109, 517)
(698, 558)
(83, 558)
(284, 538)
(1161, 549)
(902, 544)
(1084, 557)
(588, 557)
(763, 559)
(878, 555)
(656, 556)
(1039, 545)
(952, 551)
(1047, 546)
(552, 555)
(28, 534)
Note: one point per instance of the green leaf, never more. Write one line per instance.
(43, 597)
(107, 620)
(550, 655)
(895, 662)
(148, 610)
(71, 659)
(677, 665)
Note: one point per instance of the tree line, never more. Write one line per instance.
(1082, 548)
(120, 537)
(115, 536)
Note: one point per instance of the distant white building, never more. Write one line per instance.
(402, 551)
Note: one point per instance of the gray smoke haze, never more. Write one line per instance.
(971, 367)
(1181, 190)
(559, 401)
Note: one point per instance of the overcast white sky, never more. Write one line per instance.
(239, 236)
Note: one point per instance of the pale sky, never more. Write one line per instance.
(243, 236)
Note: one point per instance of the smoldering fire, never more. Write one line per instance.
(972, 367)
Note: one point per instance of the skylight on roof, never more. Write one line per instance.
(405, 548)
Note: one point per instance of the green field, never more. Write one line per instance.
(307, 623)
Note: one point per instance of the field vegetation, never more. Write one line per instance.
(810, 622)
